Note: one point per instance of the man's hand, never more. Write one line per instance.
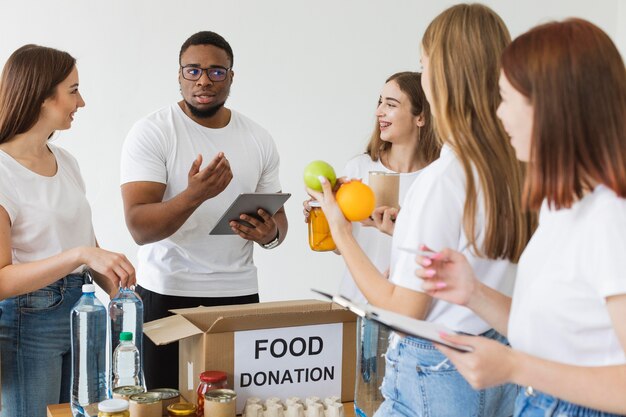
(262, 231)
(210, 181)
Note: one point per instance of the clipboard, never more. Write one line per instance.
(398, 322)
(248, 203)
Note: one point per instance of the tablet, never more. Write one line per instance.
(249, 203)
(398, 322)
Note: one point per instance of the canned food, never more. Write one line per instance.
(145, 405)
(113, 408)
(220, 403)
(181, 409)
(125, 391)
(168, 396)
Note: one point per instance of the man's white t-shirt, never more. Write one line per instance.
(432, 214)
(161, 148)
(375, 244)
(49, 215)
(574, 261)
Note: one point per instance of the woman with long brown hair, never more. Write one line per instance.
(46, 236)
(467, 199)
(563, 87)
(402, 142)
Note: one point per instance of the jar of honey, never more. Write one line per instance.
(181, 409)
(209, 381)
(320, 239)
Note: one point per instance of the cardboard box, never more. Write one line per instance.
(283, 349)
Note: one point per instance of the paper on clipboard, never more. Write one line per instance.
(398, 322)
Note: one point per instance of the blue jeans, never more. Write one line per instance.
(539, 404)
(420, 381)
(35, 345)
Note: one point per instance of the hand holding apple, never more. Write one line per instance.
(317, 169)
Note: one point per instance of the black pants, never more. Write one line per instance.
(161, 362)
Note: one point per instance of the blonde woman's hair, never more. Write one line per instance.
(464, 45)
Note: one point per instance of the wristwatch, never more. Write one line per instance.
(271, 244)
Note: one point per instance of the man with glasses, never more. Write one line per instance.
(181, 168)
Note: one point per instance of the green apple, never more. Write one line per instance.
(314, 170)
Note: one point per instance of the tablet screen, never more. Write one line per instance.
(249, 203)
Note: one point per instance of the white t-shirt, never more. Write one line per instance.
(575, 259)
(161, 148)
(432, 214)
(375, 244)
(48, 215)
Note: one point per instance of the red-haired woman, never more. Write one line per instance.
(563, 89)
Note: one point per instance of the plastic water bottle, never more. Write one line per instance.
(372, 341)
(126, 362)
(88, 325)
(126, 315)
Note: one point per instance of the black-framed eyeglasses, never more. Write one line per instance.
(193, 73)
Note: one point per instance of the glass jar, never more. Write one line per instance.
(113, 408)
(181, 409)
(320, 239)
(209, 381)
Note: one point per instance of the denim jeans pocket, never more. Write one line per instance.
(45, 299)
(429, 360)
(521, 405)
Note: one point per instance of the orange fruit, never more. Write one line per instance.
(356, 200)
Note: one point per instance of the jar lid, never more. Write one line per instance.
(181, 409)
(213, 376)
(113, 406)
(315, 203)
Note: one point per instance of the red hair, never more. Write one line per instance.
(574, 76)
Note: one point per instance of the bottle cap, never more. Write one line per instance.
(113, 406)
(89, 288)
(126, 336)
(213, 376)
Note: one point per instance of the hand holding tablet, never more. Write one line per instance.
(249, 204)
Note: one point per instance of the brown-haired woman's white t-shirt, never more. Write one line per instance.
(48, 215)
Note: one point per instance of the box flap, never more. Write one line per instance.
(274, 320)
(170, 329)
(206, 317)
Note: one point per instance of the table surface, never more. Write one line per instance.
(63, 410)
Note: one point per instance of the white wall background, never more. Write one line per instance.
(310, 72)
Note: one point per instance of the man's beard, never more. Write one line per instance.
(206, 113)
